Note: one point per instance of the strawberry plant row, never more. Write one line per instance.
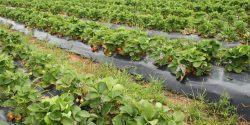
(145, 7)
(83, 100)
(225, 24)
(181, 56)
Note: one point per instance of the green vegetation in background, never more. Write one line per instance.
(182, 57)
(225, 19)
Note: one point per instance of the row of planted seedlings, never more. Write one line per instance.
(80, 99)
(183, 57)
(209, 21)
(208, 26)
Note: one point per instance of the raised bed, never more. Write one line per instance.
(213, 86)
(172, 35)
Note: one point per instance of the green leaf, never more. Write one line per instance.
(153, 122)
(75, 110)
(244, 49)
(129, 109)
(117, 120)
(100, 121)
(238, 70)
(67, 121)
(40, 107)
(158, 105)
(178, 116)
(68, 114)
(110, 82)
(140, 120)
(47, 120)
(106, 98)
(118, 87)
(34, 107)
(197, 64)
(171, 122)
(55, 116)
(83, 114)
(106, 108)
(102, 87)
(92, 95)
(148, 110)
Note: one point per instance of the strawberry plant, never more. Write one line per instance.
(228, 34)
(246, 38)
(88, 31)
(36, 62)
(145, 113)
(57, 110)
(11, 43)
(237, 59)
(209, 47)
(163, 56)
(104, 98)
(174, 23)
(9, 79)
(206, 29)
(190, 62)
(99, 38)
(50, 74)
(218, 25)
(116, 40)
(71, 81)
(240, 28)
(21, 98)
(135, 48)
(6, 63)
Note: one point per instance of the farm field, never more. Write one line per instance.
(226, 19)
(57, 61)
(137, 45)
(43, 84)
